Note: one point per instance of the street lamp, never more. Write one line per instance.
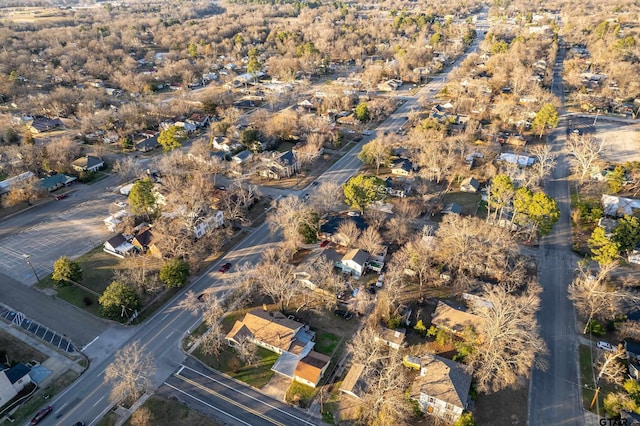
(27, 259)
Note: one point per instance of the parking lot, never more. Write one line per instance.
(70, 232)
(621, 140)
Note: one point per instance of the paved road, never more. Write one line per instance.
(87, 399)
(554, 397)
(233, 402)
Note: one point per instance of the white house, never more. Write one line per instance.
(442, 388)
(354, 262)
(12, 381)
(213, 221)
(118, 246)
(311, 368)
(392, 338)
(521, 160)
(88, 163)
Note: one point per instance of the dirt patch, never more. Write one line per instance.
(621, 142)
(14, 350)
(507, 407)
(163, 411)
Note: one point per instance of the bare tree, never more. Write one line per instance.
(546, 162)
(348, 233)
(290, 214)
(397, 230)
(370, 241)
(247, 351)
(327, 198)
(276, 277)
(60, 153)
(141, 417)
(611, 367)
(140, 273)
(585, 150)
(130, 373)
(22, 191)
(127, 168)
(510, 344)
(593, 296)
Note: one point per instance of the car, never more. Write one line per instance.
(221, 187)
(372, 289)
(605, 346)
(121, 204)
(224, 268)
(340, 312)
(324, 243)
(305, 197)
(314, 183)
(380, 280)
(202, 297)
(78, 424)
(355, 292)
(61, 196)
(41, 415)
(348, 316)
(353, 214)
(340, 295)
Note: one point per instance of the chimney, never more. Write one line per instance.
(264, 307)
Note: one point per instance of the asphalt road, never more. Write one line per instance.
(228, 400)
(87, 399)
(554, 395)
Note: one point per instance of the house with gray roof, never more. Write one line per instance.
(442, 387)
(354, 262)
(88, 163)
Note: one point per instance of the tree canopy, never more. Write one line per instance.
(362, 112)
(376, 152)
(361, 191)
(116, 298)
(141, 196)
(539, 208)
(174, 273)
(605, 251)
(546, 117)
(66, 270)
(627, 233)
(171, 138)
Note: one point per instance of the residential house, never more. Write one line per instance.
(212, 221)
(277, 333)
(44, 124)
(242, 157)
(521, 160)
(389, 85)
(615, 206)
(88, 163)
(5, 185)
(402, 167)
(148, 144)
(442, 387)
(397, 188)
(455, 320)
(145, 242)
(470, 185)
(392, 338)
(348, 119)
(198, 119)
(311, 368)
(352, 384)
(283, 165)
(452, 208)
(329, 227)
(118, 246)
(354, 262)
(112, 221)
(57, 181)
(187, 127)
(12, 381)
(633, 350)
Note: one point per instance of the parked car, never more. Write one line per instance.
(380, 280)
(41, 415)
(78, 424)
(314, 183)
(344, 314)
(372, 289)
(324, 243)
(224, 268)
(606, 346)
(121, 204)
(305, 197)
(353, 214)
(61, 196)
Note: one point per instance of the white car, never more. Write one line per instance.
(605, 346)
(121, 204)
(380, 280)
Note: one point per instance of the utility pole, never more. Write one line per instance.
(27, 259)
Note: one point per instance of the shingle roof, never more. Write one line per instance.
(456, 320)
(352, 383)
(17, 372)
(333, 223)
(356, 255)
(310, 367)
(272, 328)
(443, 379)
(393, 336)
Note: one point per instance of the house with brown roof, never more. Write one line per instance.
(275, 332)
(392, 338)
(145, 242)
(442, 387)
(352, 384)
(455, 320)
(311, 368)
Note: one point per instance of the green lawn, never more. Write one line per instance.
(229, 364)
(300, 394)
(326, 343)
(468, 202)
(586, 381)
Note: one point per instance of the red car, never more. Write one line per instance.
(41, 415)
(324, 243)
(61, 196)
(224, 268)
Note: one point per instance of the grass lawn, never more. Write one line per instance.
(468, 202)
(163, 411)
(229, 364)
(586, 381)
(326, 343)
(300, 394)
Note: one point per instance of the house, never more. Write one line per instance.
(44, 124)
(213, 221)
(402, 167)
(470, 185)
(88, 163)
(277, 333)
(442, 387)
(352, 384)
(633, 350)
(392, 338)
(348, 119)
(145, 242)
(198, 119)
(455, 320)
(57, 181)
(118, 246)
(284, 165)
(389, 86)
(112, 221)
(148, 144)
(242, 157)
(5, 185)
(12, 381)
(311, 368)
(329, 227)
(615, 206)
(354, 262)
(397, 188)
(452, 208)
(521, 160)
